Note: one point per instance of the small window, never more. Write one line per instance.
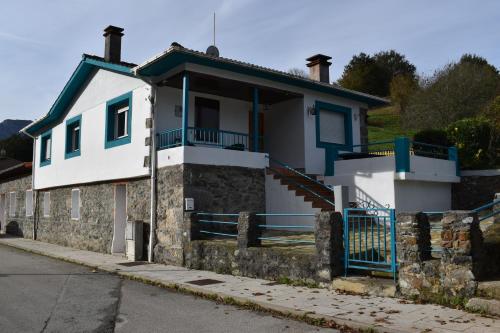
(75, 204)
(29, 203)
(46, 204)
(46, 149)
(12, 204)
(73, 130)
(118, 121)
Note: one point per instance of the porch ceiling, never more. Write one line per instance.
(213, 85)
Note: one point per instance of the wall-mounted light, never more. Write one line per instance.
(311, 110)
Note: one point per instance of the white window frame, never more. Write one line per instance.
(75, 214)
(48, 149)
(75, 138)
(12, 203)
(46, 204)
(29, 208)
(125, 123)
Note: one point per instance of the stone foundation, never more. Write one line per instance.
(215, 189)
(19, 224)
(474, 191)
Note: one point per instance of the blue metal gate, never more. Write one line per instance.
(370, 239)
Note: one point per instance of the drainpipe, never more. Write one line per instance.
(152, 154)
(34, 192)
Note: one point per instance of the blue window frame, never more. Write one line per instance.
(331, 141)
(73, 134)
(118, 129)
(46, 148)
(343, 113)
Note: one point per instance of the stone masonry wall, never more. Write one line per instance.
(455, 273)
(474, 191)
(213, 188)
(93, 231)
(20, 224)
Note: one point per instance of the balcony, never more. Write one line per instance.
(203, 137)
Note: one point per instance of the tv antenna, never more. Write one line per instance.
(212, 49)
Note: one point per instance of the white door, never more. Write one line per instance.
(2, 213)
(118, 245)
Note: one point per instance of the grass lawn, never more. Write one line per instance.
(384, 124)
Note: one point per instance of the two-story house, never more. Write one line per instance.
(137, 143)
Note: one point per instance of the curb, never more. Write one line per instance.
(310, 318)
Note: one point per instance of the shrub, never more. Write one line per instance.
(472, 138)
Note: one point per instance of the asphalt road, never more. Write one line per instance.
(40, 294)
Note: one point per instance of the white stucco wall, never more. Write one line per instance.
(373, 181)
(422, 196)
(233, 114)
(284, 136)
(281, 200)
(370, 180)
(211, 156)
(95, 162)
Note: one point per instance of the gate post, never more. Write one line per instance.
(248, 230)
(328, 233)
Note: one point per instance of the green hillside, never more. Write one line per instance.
(384, 124)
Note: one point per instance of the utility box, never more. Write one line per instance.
(134, 238)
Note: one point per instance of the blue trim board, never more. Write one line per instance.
(331, 149)
(177, 57)
(82, 72)
(185, 108)
(69, 128)
(125, 99)
(255, 114)
(43, 144)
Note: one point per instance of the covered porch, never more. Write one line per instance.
(202, 110)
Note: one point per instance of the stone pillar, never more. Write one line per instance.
(496, 208)
(328, 234)
(413, 245)
(248, 230)
(191, 227)
(461, 240)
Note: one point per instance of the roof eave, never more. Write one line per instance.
(275, 75)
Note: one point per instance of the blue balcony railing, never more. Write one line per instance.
(203, 137)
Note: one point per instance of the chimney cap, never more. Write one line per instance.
(113, 30)
(318, 59)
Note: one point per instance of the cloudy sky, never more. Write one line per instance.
(41, 42)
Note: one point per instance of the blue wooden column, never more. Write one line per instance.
(402, 154)
(185, 108)
(255, 111)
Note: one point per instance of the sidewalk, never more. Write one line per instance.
(381, 314)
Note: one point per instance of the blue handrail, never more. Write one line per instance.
(488, 205)
(203, 136)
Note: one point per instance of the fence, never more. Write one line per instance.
(369, 240)
(287, 238)
(402, 148)
(203, 137)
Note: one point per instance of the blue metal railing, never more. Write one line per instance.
(402, 148)
(210, 222)
(429, 150)
(487, 206)
(203, 137)
(370, 239)
(169, 139)
(281, 239)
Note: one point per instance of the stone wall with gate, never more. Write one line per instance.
(246, 256)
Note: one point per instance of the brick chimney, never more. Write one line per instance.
(319, 68)
(113, 43)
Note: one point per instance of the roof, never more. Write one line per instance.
(172, 57)
(82, 72)
(177, 54)
(10, 168)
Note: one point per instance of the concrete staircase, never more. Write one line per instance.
(307, 186)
